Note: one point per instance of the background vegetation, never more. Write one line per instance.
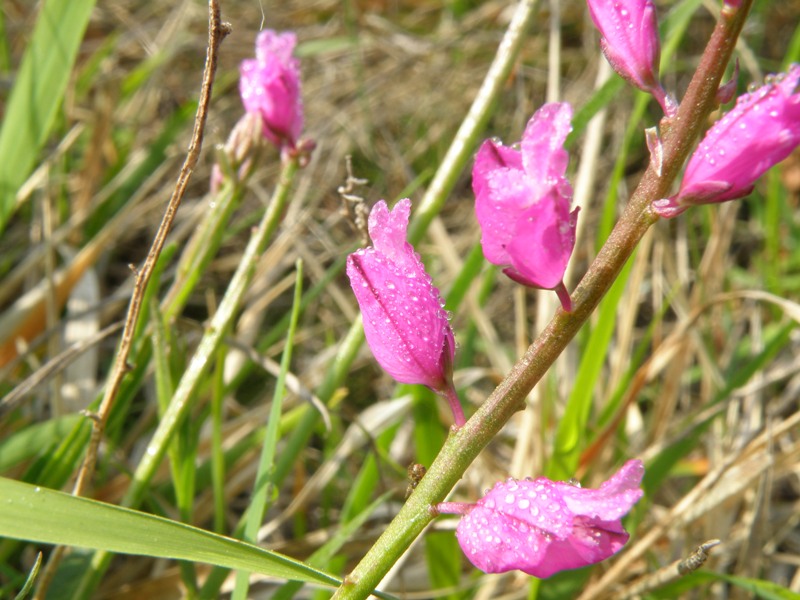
(690, 364)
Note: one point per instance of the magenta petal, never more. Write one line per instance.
(404, 322)
(543, 240)
(522, 200)
(760, 131)
(542, 527)
(512, 526)
(588, 544)
(612, 500)
(270, 86)
(502, 192)
(543, 156)
(630, 41)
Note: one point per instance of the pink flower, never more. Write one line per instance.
(405, 325)
(629, 39)
(542, 527)
(270, 87)
(761, 130)
(522, 201)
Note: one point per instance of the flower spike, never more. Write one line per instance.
(405, 325)
(270, 87)
(522, 202)
(759, 132)
(542, 527)
(629, 39)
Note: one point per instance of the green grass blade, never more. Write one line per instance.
(327, 551)
(37, 94)
(24, 444)
(28, 587)
(759, 588)
(572, 433)
(74, 521)
(265, 481)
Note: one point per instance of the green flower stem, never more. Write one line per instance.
(186, 392)
(464, 444)
(202, 247)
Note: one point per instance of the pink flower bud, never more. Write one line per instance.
(761, 130)
(542, 527)
(405, 325)
(522, 201)
(270, 87)
(629, 39)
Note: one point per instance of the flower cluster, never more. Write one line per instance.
(269, 86)
(523, 207)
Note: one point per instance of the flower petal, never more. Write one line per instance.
(522, 201)
(630, 42)
(612, 500)
(270, 86)
(502, 192)
(543, 240)
(542, 527)
(760, 131)
(404, 322)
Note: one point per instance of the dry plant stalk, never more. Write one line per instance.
(217, 31)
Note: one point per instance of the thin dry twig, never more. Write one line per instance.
(53, 366)
(671, 572)
(217, 31)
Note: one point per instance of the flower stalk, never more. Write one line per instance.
(463, 445)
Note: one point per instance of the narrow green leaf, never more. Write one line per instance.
(47, 516)
(572, 433)
(327, 551)
(26, 589)
(38, 91)
(265, 480)
(759, 587)
(33, 440)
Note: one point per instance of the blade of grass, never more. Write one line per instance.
(327, 551)
(572, 433)
(180, 450)
(660, 467)
(26, 589)
(442, 553)
(266, 465)
(76, 521)
(38, 92)
(33, 439)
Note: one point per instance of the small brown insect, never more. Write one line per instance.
(696, 559)
(415, 474)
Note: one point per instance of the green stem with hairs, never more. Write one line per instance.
(464, 444)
